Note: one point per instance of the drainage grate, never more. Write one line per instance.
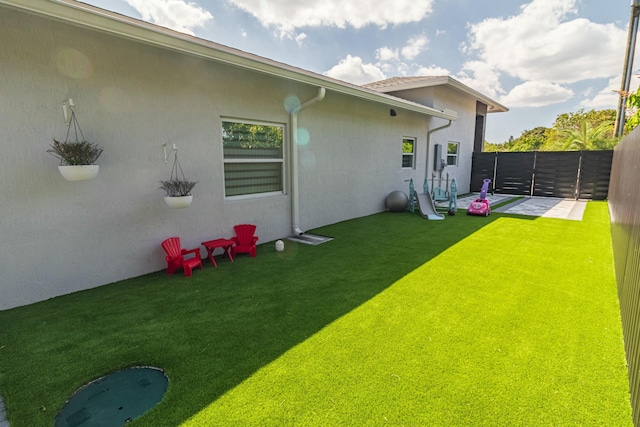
(310, 239)
(115, 399)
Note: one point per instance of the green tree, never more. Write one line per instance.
(589, 130)
(585, 137)
(531, 140)
(633, 111)
(492, 148)
(575, 120)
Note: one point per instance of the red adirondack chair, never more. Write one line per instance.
(175, 257)
(245, 241)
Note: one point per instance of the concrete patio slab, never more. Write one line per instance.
(494, 199)
(547, 207)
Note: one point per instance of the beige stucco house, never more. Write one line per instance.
(138, 89)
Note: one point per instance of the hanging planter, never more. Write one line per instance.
(78, 172)
(77, 157)
(178, 190)
(178, 202)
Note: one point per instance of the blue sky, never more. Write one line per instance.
(540, 58)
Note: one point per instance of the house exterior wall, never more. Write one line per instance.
(461, 131)
(354, 158)
(60, 237)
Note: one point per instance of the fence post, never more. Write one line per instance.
(533, 174)
(495, 173)
(578, 180)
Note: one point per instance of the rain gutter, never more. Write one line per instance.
(295, 190)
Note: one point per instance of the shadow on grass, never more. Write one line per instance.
(212, 331)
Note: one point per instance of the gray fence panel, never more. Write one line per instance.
(624, 208)
(556, 173)
(514, 173)
(595, 172)
(567, 174)
(482, 167)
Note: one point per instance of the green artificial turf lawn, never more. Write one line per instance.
(506, 320)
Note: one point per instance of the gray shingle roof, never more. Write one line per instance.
(396, 84)
(398, 81)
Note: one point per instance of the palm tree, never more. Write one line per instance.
(586, 137)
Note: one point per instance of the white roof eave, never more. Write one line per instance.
(84, 15)
(446, 80)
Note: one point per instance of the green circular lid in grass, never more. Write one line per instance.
(115, 399)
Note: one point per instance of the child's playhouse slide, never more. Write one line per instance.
(427, 207)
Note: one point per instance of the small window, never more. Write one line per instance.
(253, 158)
(408, 152)
(452, 153)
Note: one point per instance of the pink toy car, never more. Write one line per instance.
(479, 207)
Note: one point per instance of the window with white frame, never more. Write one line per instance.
(408, 152)
(253, 158)
(453, 150)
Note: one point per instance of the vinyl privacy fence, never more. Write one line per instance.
(624, 208)
(568, 174)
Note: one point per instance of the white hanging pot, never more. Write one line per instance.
(79, 172)
(178, 202)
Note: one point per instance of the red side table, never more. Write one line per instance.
(212, 245)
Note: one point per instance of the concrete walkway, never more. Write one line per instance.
(547, 207)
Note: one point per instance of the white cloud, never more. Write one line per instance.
(387, 54)
(482, 77)
(415, 46)
(300, 38)
(608, 97)
(178, 15)
(353, 70)
(536, 94)
(432, 71)
(542, 44)
(389, 59)
(288, 15)
(394, 68)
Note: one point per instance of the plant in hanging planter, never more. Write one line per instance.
(77, 157)
(178, 190)
(75, 153)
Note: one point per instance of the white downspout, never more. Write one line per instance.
(295, 191)
(426, 166)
